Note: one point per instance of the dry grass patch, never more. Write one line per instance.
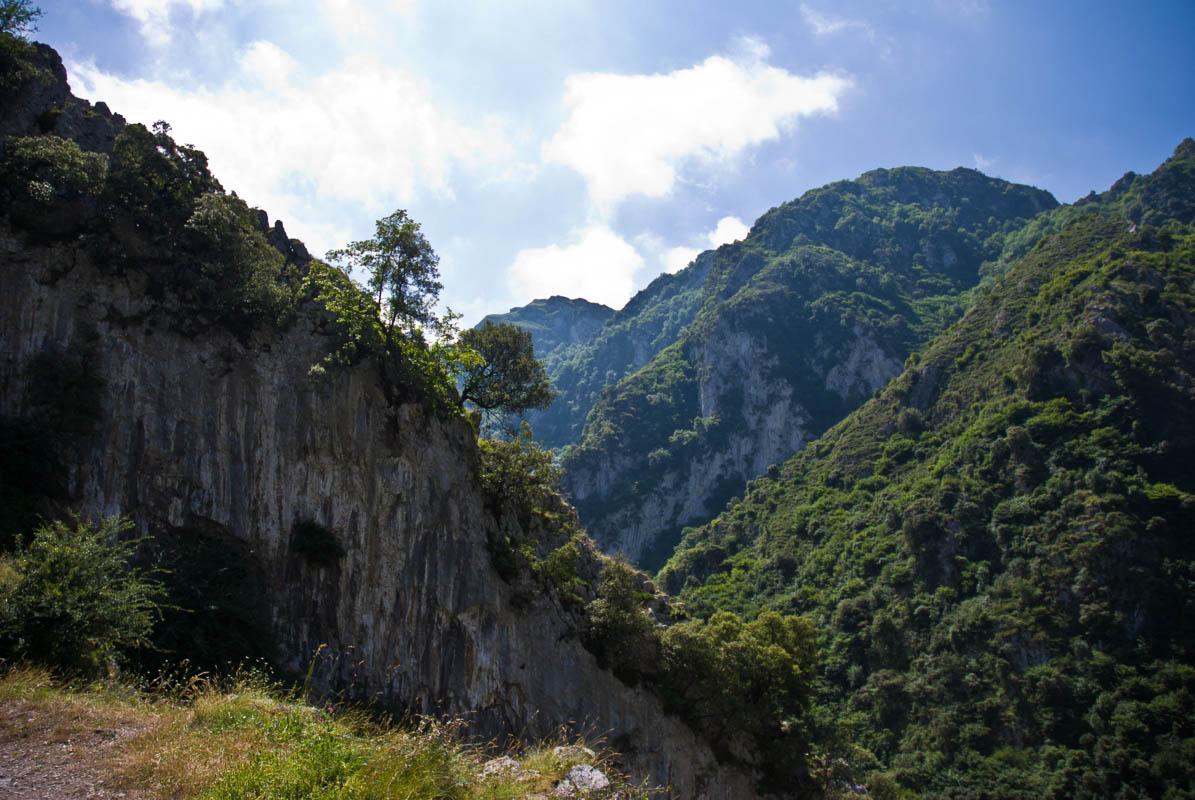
(248, 741)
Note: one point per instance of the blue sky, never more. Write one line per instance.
(582, 148)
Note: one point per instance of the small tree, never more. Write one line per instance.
(510, 379)
(401, 270)
(73, 600)
(18, 17)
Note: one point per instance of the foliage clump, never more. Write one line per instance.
(49, 169)
(315, 543)
(508, 378)
(18, 17)
(72, 599)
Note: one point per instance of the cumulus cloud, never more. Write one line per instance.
(362, 133)
(728, 229)
(598, 265)
(632, 134)
(268, 64)
(981, 163)
(154, 15)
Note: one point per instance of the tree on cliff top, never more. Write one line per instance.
(510, 378)
(401, 270)
(18, 17)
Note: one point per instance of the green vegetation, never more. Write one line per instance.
(247, 739)
(508, 379)
(401, 270)
(614, 345)
(71, 599)
(739, 684)
(18, 17)
(154, 183)
(994, 549)
(315, 543)
(62, 399)
(231, 267)
(47, 169)
(883, 263)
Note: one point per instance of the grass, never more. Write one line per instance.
(244, 739)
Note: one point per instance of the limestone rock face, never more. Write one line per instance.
(758, 418)
(202, 433)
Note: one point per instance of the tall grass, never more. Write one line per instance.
(245, 739)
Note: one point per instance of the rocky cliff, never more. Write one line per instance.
(204, 430)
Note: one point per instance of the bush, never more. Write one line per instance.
(621, 634)
(234, 270)
(156, 181)
(64, 392)
(49, 168)
(518, 474)
(730, 677)
(315, 543)
(74, 600)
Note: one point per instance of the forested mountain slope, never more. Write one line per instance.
(997, 549)
(794, 327)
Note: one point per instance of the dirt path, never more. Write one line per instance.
(53, 753)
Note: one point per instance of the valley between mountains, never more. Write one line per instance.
(893, 497)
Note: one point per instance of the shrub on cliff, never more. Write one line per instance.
(49, 168)
(731, 677)
(156, 181)
(518, 474)
(400, 269)
(508, 378)
(230, 265)
(621, 633)
(72, 599)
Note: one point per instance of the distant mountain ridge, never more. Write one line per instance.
(711, 375)
(556, 323)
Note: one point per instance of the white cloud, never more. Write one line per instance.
(154, 15)
(982, 164)
(674, 259)
(825, 24)
(361, 133)
(599, 265)
(677, 258)
(631, 134)
(268, 64)
(728, 229)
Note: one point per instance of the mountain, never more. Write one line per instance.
(997, 548)
(627, 340)
(769, 341)
(556, 324)
(312, 490)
